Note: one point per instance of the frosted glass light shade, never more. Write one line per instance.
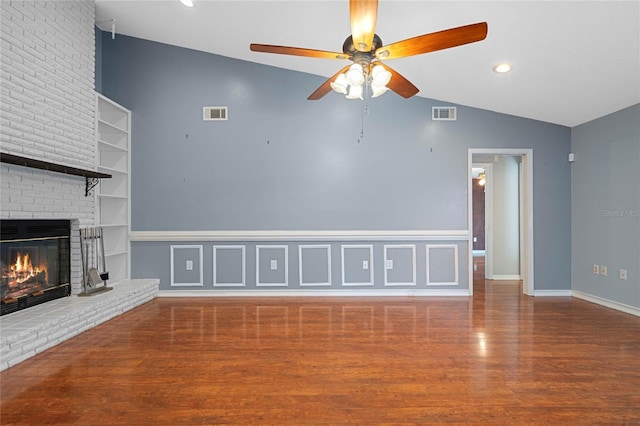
(380, 76)
(378, 90)
(355, 75)
(355, 92)
(340, 85)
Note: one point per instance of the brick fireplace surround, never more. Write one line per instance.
(47, 113)
(37, 194)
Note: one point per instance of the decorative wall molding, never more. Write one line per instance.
(607, 303)
(301, 249)
(285, 266)
(408, 235)
(346, 247)
(242, 282)
(176, 283)
(453, 247)
(386, 265)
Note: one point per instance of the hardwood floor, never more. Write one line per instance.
(499, 358)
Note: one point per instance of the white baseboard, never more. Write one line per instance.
(316, 293)
(552, 293)
(607, 303)
(506, 277)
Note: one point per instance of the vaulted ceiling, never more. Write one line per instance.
(573, 61)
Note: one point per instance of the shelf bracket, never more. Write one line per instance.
(90, 183)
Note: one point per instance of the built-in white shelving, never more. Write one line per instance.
(113, 133)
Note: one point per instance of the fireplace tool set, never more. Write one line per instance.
(93, 262)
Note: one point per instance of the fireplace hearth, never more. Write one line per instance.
(35, 261)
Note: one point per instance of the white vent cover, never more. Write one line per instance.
(443, 113)
(214, 113)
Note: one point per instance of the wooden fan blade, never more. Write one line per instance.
(434, 41)
(297, 51)
(326, 86)
(364, 14)
(399, 84)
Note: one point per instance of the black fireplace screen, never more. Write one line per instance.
(35, 261)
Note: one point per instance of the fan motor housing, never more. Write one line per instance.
(349, 48)
(359, 57)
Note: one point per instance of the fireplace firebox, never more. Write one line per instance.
(35, 260)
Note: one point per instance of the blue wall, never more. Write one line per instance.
(284, 163)
(606, 206)
(98, 66)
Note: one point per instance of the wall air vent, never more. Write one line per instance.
(443, 113)
(214, 113)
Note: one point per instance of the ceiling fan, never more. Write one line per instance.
(365, 49)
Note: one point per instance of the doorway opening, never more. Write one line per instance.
(507, 238)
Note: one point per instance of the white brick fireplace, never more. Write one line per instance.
(47, 113)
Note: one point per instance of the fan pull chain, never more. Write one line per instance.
(364, 110)
(361, 124)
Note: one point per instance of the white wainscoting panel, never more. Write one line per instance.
(241, 282)
(358, 267)
(301, 264)
(261, 281)
(182, 268)
(389, 264)
(453, 264)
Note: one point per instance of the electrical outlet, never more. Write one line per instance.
(189, 265)
(365, 264)
(389, 263)
(596, 269)
(623, 274)
(603, 270)
(274, 265)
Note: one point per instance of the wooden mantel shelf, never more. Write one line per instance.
(91, 176)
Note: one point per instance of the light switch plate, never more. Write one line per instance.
(189, 265)
(274, 265)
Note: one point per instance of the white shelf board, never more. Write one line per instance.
(113, 126)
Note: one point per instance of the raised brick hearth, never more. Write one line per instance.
(26, 333)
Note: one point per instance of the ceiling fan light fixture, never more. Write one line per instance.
(188, 3)
(340, 84)
(355, 92)
(355, 75)
(378, 90)
(380, 76)
(366, 51)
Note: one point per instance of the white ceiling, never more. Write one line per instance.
(573, 61)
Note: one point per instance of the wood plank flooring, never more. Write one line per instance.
(496, 358)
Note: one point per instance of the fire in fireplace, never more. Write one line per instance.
(22, 277)
(35, 262)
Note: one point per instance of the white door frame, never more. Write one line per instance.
(526, 204)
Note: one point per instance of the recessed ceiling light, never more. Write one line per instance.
(502, 68)
(188, 3)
